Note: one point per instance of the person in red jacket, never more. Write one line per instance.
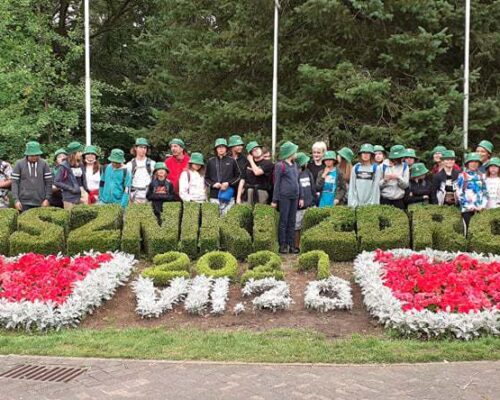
(177, 162)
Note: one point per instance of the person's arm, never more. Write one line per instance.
(208, 174)
(352, 196)
(341, 187)
(320, 181)
(126, 191)
(48, 179)
(257, 171)
(404, 179)
(277, 182)
(241, 189)
(149, 192)
(7, 182)
(16, 177)
(184, 186)
(61, 179)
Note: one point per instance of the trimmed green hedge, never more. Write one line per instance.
(437, 227)
(484, 232)
(331, 230)
(265, 228)
(40, 230)
(234, 231)
(263, 264)
(95, 228)
(188, 242)
(209, 230)
(168, 266)
(8, 224)
(218, 264)
(315, 260)
(382, 226)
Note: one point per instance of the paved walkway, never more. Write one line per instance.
(123, 379)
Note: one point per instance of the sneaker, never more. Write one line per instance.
(283, 249)
(294, 250)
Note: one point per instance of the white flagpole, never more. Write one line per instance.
(466, 74)
(88, 137)
(275, 78)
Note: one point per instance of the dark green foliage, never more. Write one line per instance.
(141, 231)
(484, 232)
(40, 230)
(209, 230)
(168, 266)
(315, 260)
(188, 242)
(95, 228)
(263, 264)
(382, 227)
(8, 224)
(437, 227)
(234, 231)
(265, 228)
(331, 230)
(218, 264)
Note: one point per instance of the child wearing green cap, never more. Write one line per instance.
(493, 182)
(192, 181)
(93, 171)
(114, 187)
(344, 157)
(330, 183)
(308, 191)
(59, 157)
(471, 188)
(160, 190)
(141, 169)
(420, 189)
(444, 183)
(365, 176)
(70, 177)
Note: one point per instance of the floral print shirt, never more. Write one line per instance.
(472, 191)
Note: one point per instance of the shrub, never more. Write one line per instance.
(95, 228)
(437, 227)
(209, 230)
(8, 224)
(168, 266)
(315, 259)
(382, 227)
(234, 231)
(265, 228)
(40, 230)
(331, 230)
(141, 226)
(218, 264)
(484, 232)
(188, 242)
(263, 264)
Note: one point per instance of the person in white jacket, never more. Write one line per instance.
(192, 180)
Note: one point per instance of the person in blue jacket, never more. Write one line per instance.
(114, 187)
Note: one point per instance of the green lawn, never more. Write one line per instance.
(271, 346)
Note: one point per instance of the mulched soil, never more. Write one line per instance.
(119, 312)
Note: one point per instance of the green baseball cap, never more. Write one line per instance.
(494, 161)
(60, 151)
(252, 145)
(378, 147)
(33, 149)
(220, 142)
(287, 149)
(397, 151)
(472, 157)
(330, 155)
(366, 148)
(302, 159)
(74, 147)
(91, 150)
(160, 165)
(438, 149)
(411, 153)
(178, 142)
(346, 153)
(235, 140)
(487, 145)
(418, 169)
(197, 158)
(141, 142)
(117, 156)
(448, 154)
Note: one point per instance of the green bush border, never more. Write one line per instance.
(315, 260)
(263, 264)
(265, 228)
(218, 264)
(209, 229)
(234, 231)
(188, 241)
(168, 266)
(484, 232)
(8, 224)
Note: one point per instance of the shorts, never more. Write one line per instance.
(298, 219)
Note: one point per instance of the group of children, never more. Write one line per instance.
(292, 185)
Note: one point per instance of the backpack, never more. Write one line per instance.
(374, 169)
(148, 166)
(384, 167)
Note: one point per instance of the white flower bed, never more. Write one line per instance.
(328, 294)
(275, 294)
(98, 285)
(382, 304)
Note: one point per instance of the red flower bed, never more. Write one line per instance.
(461, 285)
(44, 278)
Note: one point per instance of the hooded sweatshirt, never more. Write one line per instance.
(114, 187)
(68, 183)
(364, 185)
(31, 182)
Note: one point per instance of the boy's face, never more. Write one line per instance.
(161, 174)
(141, 151)
(221, 151)
(33, 159)
(257, 152)
(449, 162)
(317, 154)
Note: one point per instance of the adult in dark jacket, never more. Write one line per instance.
(444, 183)
(420, 188)
(31, 180)
(221, 176)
